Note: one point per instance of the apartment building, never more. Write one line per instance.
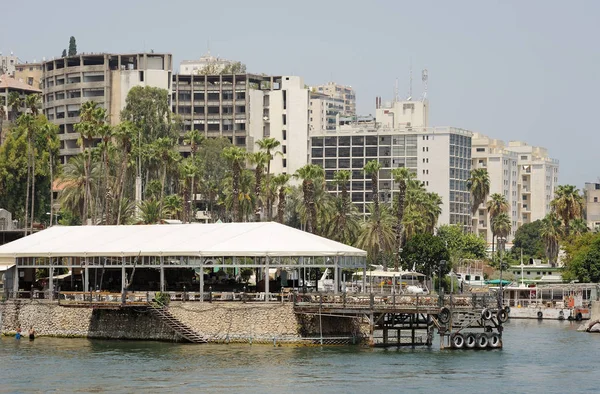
(340, 92)
(8, 63)
(29, 73)
(104, 78)
(503, 170)
(324, 112)
(439, 156)
(592, 205)
(523, 174)
(538, 177)
(9, 84)
(246, 108)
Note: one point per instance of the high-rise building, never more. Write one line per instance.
(246, 108)
(104, 78)
(523, 174)
(592, 205)
(340, 92)
(324, 111)
(439, 156)
(29, 73)
(8, 85)
(503, 171)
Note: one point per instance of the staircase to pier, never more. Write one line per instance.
(160, 310)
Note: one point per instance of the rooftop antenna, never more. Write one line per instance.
(396, 91)
(425, 79)
(410, 82)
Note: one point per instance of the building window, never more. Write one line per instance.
(595, 199)
(480, 149)
(284, 134)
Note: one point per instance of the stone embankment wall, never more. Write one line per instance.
(218, 321)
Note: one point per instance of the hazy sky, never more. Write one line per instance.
(523, 69)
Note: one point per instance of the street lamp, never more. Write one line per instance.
(501, 243)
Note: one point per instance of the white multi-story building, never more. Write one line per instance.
(523, 174)
(216, 65)
(246, 108)
(402, 114)
(501, 165)
(592, 205)
(439, 156)
(340, 92)
(324, 112)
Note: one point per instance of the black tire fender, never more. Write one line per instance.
(494, 341)
(458, 341)
(502, 316)
(540, 315)
(481, 340)
(444, 315)
(486, 314)
(470, 340)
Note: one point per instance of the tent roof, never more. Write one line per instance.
(224, 239)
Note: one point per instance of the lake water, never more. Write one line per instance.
(537, 358)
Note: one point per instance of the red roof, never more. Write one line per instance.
(8, 82)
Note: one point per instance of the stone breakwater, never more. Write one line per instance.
(217, 321)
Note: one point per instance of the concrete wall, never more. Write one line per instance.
(218, 321)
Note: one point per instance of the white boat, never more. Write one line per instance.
(553, 301)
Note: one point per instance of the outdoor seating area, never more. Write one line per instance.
(215, 259)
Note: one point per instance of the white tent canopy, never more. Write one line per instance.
(203, 240)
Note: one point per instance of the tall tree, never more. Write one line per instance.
(236, 157)
(479, 186)
(501, 225)
(281, 182)
(124, 135)
(269, 145)
(259, 160)
(496, 205)
(377, 234)
(15, 102)
(401, 177)
(568, 205)
(2, 118)
(310, 174)
(64, 53)
(372, 168)
(550, 232)
(32, 102)
(49, 132)
(72, 46)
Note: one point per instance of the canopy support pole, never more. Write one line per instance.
(201, 282)
(336, 276)
(162, 274)
(267, 278)
(16, 282)
(364, 279)
(86, 281)
(51, 281)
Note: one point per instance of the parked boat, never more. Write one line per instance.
(570, 301)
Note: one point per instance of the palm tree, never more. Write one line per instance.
(2, 117)
(401, 176)
(341, 179)
(496, 205)
(310, 174)
(372, 168)
(236, 157)
(259, 160)
(568, 205)
(377, 235)
(15, 102)
(173, 206)
(105, 133)
(479, 186)
(50, 131)
(344, 224)
(579, 227)
(151, 211)
(163, 149)
(269, 145)
(33, 103)
(281, 183)
(551, 232)
(501, 225)
(432, 210)
(194, 139)
(123, 135)
(74, 179)
(26, 122)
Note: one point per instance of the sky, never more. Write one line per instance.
(512, 69)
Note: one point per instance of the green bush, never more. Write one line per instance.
(162, 298)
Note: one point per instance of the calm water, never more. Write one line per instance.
(537, 358)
